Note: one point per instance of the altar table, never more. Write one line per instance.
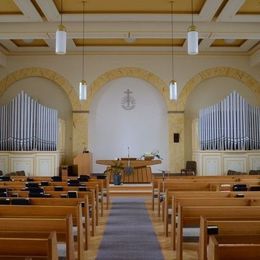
(142, 173)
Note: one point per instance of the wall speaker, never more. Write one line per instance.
(176, 137)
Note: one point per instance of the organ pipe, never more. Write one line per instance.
(232, 124)
(27, 125)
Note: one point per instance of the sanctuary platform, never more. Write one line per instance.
(128, 190)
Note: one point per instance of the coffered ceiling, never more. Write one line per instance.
(225, 26)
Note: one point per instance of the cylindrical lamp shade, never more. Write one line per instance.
(61, 39)
(83, 90)
(193, 41)
(173, 90)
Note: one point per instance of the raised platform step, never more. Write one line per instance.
(130, 189)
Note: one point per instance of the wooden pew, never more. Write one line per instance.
(59, 194)
(191, 215)
(106, 187)
(96, 185)
(171, 195)
(234, 247)
(214, 201)
(62, 226)
(29, 211)
(19, 245)
(156, 181)
(225, 227)
(65, 202)
(204, 186)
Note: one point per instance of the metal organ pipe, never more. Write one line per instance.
(27, 125)
(232, 124)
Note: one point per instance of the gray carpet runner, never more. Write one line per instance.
(129, 233)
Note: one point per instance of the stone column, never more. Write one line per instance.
(79, 132)
(176, 150)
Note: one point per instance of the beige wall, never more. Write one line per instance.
(186, 67)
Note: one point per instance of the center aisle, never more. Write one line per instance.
(129, 233)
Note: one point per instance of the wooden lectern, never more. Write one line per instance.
(84, 162)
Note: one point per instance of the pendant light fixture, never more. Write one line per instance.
(83, 84)
(173, 83)
(61, 36)
(193, 36)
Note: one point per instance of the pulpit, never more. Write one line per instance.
(84, 162)
(141, 173)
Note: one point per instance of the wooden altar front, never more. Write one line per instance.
(142, 173)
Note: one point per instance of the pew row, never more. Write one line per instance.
(17, 244)
(48, 212)
(225, 227)
(234, 247)
(213, 201)
(190, 215)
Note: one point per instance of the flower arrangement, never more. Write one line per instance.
(152, 155)
(117, 168)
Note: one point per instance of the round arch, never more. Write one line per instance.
(150, 77)
(44, 73)
(237, 74)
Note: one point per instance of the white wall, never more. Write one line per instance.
(113, 129)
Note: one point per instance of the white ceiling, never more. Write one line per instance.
(217, 19)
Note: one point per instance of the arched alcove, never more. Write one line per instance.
(39, 89)
(112, 129)
(208, 92)
(49, 87)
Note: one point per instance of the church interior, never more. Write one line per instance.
(130, 129)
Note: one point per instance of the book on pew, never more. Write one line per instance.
(83, 178)
(35, 189)
(212, 230)
(5, 178)
(239, 187)
(72, 194)
(58, 188)
(254, 188)
(83, 188)
(4, 201)
(36, 194)
(3, 194)
(44, 183)
(56, 178)
(240, 195)
(20, 201)
(32, 184)
(73, 183)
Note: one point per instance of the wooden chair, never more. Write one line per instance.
(190, 169)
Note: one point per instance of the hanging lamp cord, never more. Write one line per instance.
(172, 40)
(192, 12)
(61, 10)
(83, 47)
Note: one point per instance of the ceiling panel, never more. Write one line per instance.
(250, 7)
(132, 6)
(29, 43)
(9, 7)
(123, 42)
(147, 20)
(227, 43)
